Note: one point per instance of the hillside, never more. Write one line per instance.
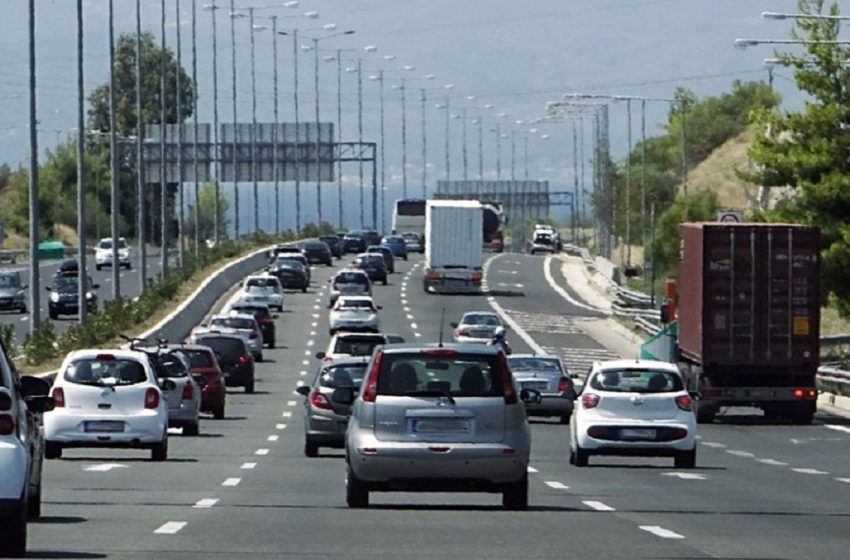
(717, 173)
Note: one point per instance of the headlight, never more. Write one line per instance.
(89, 295)
(54, 297)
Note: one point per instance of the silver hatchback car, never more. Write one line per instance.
(432, 418)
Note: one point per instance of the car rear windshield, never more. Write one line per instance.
(345, 375)
(357, 345)
(200, 358)
(351, 278)
(226, 347)
(232, 322)
(454, 373)
(105, 372)
(315, 246)
(541, 365)
(262, 282)
(170, 366)
(329, 239)
(356, 304)
(483, 319)
(637, 381)
(255, 310)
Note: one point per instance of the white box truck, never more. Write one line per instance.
(453, 246)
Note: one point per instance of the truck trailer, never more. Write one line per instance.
(453, 246)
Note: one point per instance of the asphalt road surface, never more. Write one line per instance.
(244, 489)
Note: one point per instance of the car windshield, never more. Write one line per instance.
(357, 345)
(351, 278)
(105, 371)
(453, 373)
(543, 239)
(289, 265)
(541, 365)
(9, 281)
(224, 347)
(636, 381)
(289, 258)
(344, 375)
(356, 304)
(199, 358)
(232, 322)
(481, 319)
(394, 240)
(67, 283)
(170, 366)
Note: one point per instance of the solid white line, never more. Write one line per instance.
(556, 485)
(261, 451)
(273, 438)
(206, 503)
(837, 428)
(738, 453)
(170, 528)
(598, 506)
(248, 466)
(661, 532)
(711, 444)
(809, 471)
(231, 482)
(532, 470)
(562, 292)
(772, 462)
(280, 426)
(536, 348)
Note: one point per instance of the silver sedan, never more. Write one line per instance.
(354, 313)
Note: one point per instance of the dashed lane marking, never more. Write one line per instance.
(772, 462)
(685, 476)
(414, 326)
(287, 414)
(280, 426)
(738, 453)
(106, 467)
(290, 403)
(532, 470)
(809, 471)
(261, 451)
(847, 480)
(838, 428)
(315, 315)
(170, 528)
(273, 438)
(661, 532)
(314, 324)
(712, 444)
(417, 335)
(311, 342)
(206, 503)
(312, 333)
(231, 482)
(409, 317)
(598, 506)
(248, 466)
(556, 485)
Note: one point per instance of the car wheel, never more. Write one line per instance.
(271, 343)
(129, 266)
(98, 267)
(405, 257)
(159, 452)
(192, 429)
(705, 414)
(34, 504)
(564, 419)
(52, 450)
(249, 387)
(13, 533)
(53, 315)
(24, 309)
(580, 457)
(310, 449)
(304, 289)
(356, 495)
(686, 459)
(260, 357)
(515, 495)
(385, 282)
(218, 413)
(331, 332)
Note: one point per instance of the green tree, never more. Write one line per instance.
(697, 207)
(206, 213)
(807, 150)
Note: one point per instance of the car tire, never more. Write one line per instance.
(249, 387)
(52, 450)
(405, 257)
(386, 282)
(310, 449)
(331, 332)
(218, 413)
(801, 414)
(564, 419)
(705, 414)
(13, 533)
(304, 289)
(159, 452)
(686, 459)
(53, 315)
(129, 266)
(271, 344)
(356, 494)
(580, 457)
(192, 429)
(34, 504)
(515, 495)
(259, 357)
(24, 309)
(98, 267)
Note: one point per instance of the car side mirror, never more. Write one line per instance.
(25, 286)
(40, 404)
(303, 390)
(167, 384)
(34, 386)
(530, 396)
(380, 306)
(320, 355)
(453, 325)
(343, 395)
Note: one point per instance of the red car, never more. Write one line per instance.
(208, 375)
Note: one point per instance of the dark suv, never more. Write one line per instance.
(63, 295)
(374, 265)
(354, 243)
(334, 243)
(233, 356)
(12, 292)
(264, 317)
(318, 252)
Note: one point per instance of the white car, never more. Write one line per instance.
(244, 325)
(354, 313)
(477, 327)
(634, 407)
(184, 399)
(103, 253)
(263, 289)
(107, 398)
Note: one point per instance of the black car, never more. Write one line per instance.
(291, 273)
(354, 243)
(386, 253)
(233, 357)
(300, 258)
(12, 292)
(264, 317)
(64, 292)
(69, 265)
(334, 243)
(318, 252)
(287, 248)
(372, 237)
(373, 265)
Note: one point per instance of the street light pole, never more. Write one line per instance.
(383, 143)
(254, 177)
(216, 206)
(424, 147)
(163, 181)
(403, 139)
(318, 136)
(498, 151)
(525, 155)
(513, 155)
(480, 148)
(448, 132)
(339, 137)
(629, 184)
(297, 136)
(35, 305)
(275, 137)
(360, 133)
(81, 164)
(181, 245)
(465, 154)
(195, 127)
(113, 164)
(235, 121)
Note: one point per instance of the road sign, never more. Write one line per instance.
(730, 216)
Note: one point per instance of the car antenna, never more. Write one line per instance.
(442, 321)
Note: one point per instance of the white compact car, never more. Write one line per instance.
(263, 289)
(103, 253)
(477, 326)
(637, 408)
(107, 398)
(354, 313)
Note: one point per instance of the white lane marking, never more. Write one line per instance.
(261, 451)
(414, 326)
(231, 482)
(106, 467)
(290, 403)
(661, 532)
(307, 352)
(738, 453)
(416, 334)
(711, 444)
(273, 438)
(847, 480)
(280, 426)
(563, 293)
(809, 471)
(536, 348)
(316, 307)
(685, 476)
(556, 485)
(772, 462)
(206, 503)
(598, 506)
(25, 318)
(287, 414)
(314, 323)
(248, 466)
(311, 342)
(315, 315)
(306, 362)
(519, 285)
(302, 373)
(532, 470)
(409, 317)
(404, 302)
(838, 428)
(170, 528)
(312, 333)
(406, 309)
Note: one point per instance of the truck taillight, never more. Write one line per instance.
(589, 400)
(318, 400)
(7, 425)
(798, 393)
(151, 398)
(187, 391)
(563, 385)
(58, 397)
(370, 392)
(685, 403)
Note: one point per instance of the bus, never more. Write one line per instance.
(409, 215)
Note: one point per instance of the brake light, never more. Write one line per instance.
(563, 385)
(371, 390)
(462, 332)
(684, 403)
(318, 400)
(507, 379)
(151, 398)
(187, 391)
(7, 425)
(58, 397)
(245, 359)
(589, 400)
(266, 320)
(805, 393)
(105, 357)
(440, 352)
(5, 401)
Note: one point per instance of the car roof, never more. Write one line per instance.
(233, 315)
(472, 348)
(530, 355)
(636, 364)
(491, 313)
(346, 334)
(190, 347)
(242, 304)
(119, 353)
(347, 361)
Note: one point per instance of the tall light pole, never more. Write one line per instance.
(480, 122)
(113, 160)
(297, 134)
(195, 127)
(254, 177)
(35, 304)
(81, 170)
(235, 121)
(339, 136)
(216, 206)
(424, 102)
(275, 137)
(163, 181)
(181, 245)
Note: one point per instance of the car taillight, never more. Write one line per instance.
(187, 392)
(589, 400)
(151, 398)
(507, 379)
(5, 401)
(440, 352)
(370, 392)
(7, 425)
(461, 332)
(58, 397)
(563, 385)
(679, 433)
(245, 359)
(255, 334)
(318, 400)
(266, 320)
(805, 393)
(684, 403)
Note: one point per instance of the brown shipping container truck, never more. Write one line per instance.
(749, 315)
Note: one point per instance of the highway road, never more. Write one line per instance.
(244, 489)
(130, 287)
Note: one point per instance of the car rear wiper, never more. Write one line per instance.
(431, 393)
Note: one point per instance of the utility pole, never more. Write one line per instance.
(424, 148)
(254, 124)
(195, 128)
(318, 136)
(465, 158)
(297, 136)
(35, 303)
(113, 162)
(81, 165)
(181, 245)
(275, 137)
(339, 136)
(235, 121)
(216, 206)
(163, 181)
(360, 134)
(403, 138)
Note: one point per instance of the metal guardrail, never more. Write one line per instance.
(649, 326)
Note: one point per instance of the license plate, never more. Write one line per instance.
(441, 425)
(536, 385)
(110, 426)
(637, 433)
